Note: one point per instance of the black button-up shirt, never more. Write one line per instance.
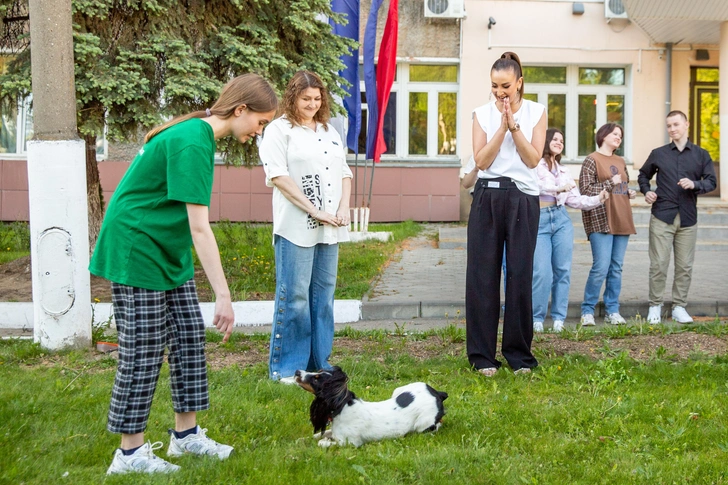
(671, 165)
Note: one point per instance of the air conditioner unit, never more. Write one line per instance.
(614, 9)
(445, 9)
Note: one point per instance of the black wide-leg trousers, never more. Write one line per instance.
(500, 214)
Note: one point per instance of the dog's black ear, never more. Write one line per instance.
(320, 414)
(439, 395)
(336, 392)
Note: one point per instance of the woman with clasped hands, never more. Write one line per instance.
(508, 137)
(608, 226)
(305, 162)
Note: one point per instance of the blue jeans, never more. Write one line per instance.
(608, 256)
(303, 323)
(552, 263)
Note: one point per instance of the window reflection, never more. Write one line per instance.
(447, 123)
(418, 124)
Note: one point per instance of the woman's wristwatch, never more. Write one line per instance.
(515, 128)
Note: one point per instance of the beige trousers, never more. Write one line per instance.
(665, 238)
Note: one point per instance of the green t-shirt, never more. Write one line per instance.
(145, 239)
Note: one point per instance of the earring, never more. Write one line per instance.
(490, 96)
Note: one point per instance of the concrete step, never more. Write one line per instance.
(706, 233)
(708, 217)
(710, 238)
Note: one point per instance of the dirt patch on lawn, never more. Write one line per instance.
(642, 348)
(16, 285)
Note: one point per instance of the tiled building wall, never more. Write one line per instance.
(240, 194)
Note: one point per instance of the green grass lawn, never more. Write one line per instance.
(576, 419)
(14, 241)
(248, 259)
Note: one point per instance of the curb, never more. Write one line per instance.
(373, 310)
(19, 316)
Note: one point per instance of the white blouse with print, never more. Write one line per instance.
(316, 161)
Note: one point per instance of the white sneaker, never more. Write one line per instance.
(655, 314)
(680, 315)
(614, 319)
(587, 320)
(197, 444)
(558, 326)
(538, 327)
(287, 380)
(143, 461)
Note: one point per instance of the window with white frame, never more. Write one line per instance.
(421, 122)
(16, 126)
(580, 99)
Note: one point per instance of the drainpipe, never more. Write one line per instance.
(668, 82)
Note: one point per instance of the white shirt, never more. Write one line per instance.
(316, 161)
(550, 180)
(508, 162)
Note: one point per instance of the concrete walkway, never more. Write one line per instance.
(428, 279)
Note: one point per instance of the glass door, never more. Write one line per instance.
(704, 110)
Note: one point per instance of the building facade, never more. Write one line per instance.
(588, 62)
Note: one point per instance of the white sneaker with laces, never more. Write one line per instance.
(654, 316)
(614, 319)
(680, 315)
(587, 320)
(142, 460)
(558, 326)
(538, 327)
(197, 444)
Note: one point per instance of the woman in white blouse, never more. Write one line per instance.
(305, 163)
(555, 243)
(508, 136)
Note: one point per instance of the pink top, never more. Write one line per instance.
(549, 181)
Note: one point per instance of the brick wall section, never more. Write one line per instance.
(239, 194)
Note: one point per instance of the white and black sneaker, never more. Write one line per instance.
(143, 460)
(197, 444)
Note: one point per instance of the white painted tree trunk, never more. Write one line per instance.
(59, 243)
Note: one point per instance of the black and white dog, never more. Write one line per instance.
(414, 407)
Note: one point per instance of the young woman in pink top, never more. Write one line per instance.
(555, 243)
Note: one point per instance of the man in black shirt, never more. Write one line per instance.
(684, 170)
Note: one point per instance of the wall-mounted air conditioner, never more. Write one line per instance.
(445, 9)
(614, 9)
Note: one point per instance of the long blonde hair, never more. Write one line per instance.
(249, 89)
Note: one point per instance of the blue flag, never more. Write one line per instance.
(352, 100)
(370, 81)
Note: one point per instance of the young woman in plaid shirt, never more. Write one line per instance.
(608, 226)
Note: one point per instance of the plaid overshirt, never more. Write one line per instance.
(595, 220)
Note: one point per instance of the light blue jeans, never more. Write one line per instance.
(303, 323)
(608, 256)
(552, 263)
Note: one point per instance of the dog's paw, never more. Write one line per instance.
(323, 434)
(326, 442)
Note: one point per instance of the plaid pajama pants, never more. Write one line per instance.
(147, 321)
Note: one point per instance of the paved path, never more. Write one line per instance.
(428, 282)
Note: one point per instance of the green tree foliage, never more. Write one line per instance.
(139, 62)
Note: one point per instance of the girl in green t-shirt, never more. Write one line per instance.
(159, 210)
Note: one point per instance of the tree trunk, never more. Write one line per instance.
(94, 193)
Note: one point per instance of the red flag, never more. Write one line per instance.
(386, 68)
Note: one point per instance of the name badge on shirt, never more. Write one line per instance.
(493, 185)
